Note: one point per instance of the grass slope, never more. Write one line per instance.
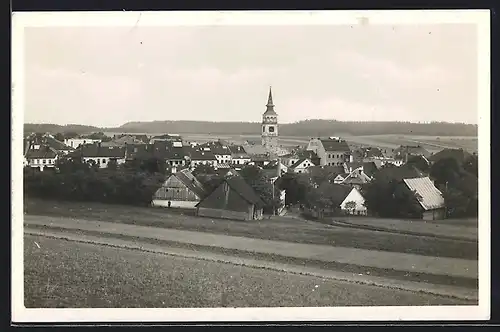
(282, 229)
(61, 274)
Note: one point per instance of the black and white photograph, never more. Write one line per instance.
(250, 166)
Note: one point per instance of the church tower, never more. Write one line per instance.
(270, 125)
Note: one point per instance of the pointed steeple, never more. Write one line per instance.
(270, 99)
(270, 105)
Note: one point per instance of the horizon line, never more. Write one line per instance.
(254, 122)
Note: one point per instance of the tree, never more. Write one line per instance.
(148, 165)
(262, 186)
(446, 170)
(351, 206)
(70, 134)
(295, 186)
(471, 164)
(59, 137)
(457, 204)
(203, 169)
(71, 164)
(112, 165)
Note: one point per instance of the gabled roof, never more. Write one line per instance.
(44, 152)
(403, 150)
(241, 187)
(373, 152)
(459, 155)
(122, 141)
(334, 145)
(226, 171)
(337, 192)
(191, 182)
(313, 156)
(238, 184)
(330, 171)
(96, 151)
(389, 173)
(56, 144)
(237, 151)
(260, 157)
(427, 194)
(356, 177)
(202, 155)
(300, 161)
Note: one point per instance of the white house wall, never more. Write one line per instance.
(174, 204)
(354, 196)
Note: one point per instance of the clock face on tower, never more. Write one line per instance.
(271, 129)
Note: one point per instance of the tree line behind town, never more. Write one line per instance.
(307, 128)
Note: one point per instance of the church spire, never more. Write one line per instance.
(270, 99)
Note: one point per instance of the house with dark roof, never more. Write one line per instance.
(122, 141)
(80, 141)
(41, 157)
(369, 168)
(202, 156)
(405, 151)
(332, 151)
(100, 155)
(356, 178)
(222, 152)
(260, 160)
(394, 173)
(309, 154)
(232, 199)
(180, 190)
(428, 196)
(320, 173)
(301, 165)
(460, 155)
(290, 159)
(239, 156)
(49, 141)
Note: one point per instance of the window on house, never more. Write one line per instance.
(44, 161)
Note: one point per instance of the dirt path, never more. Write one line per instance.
(387, 260)
(346, 279)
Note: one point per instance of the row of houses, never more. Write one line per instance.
(233, 198)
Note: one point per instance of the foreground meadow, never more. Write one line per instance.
(64, 274)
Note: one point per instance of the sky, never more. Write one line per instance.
(107, 76)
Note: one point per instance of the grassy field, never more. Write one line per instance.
(91, 276)
(283, 229)
(431, 143)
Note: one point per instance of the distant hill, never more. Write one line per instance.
(55, 128)
(307, 128)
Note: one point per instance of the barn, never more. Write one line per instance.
(429, 197)
(232, 199)
(180, 190)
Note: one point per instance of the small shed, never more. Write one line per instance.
(429, 197)
(232, 199)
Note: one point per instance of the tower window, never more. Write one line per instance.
(263, 129)
(271, 129)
